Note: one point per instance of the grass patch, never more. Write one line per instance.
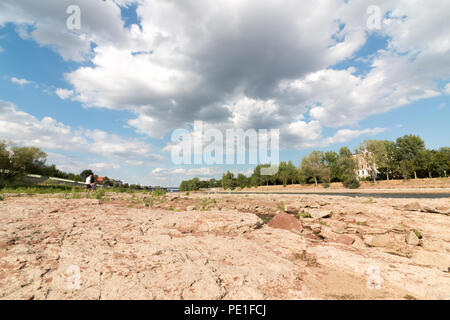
(100, 194)
(304, 215)
(265, 217)
(158, 193)
(206, 203)
(281, 206)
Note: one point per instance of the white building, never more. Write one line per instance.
(364, 170)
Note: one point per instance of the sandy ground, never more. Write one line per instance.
(216, 246)
(435, 185)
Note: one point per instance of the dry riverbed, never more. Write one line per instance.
(220, 246)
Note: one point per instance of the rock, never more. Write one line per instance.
(412, 239)
(381, 240)
(311, 236)
(344, 239)
(190, 208)
(289, 208)
(358, 243)
(413, 206)
(316, 228)
(286, 222)
(320, 214)
(326, 233)
(430, 209)
(339, 230)
(440, 260)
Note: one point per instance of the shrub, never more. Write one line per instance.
(304, 215)
(351, 182)
(158, 192)
(1, 197)
(100, 194)
(326, 185)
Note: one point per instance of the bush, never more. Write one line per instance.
(351, 183)
(159, 192)
(1, 197)
(100, 194)
(326, 185)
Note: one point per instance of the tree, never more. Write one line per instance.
(228, 181)
(242, 181)
(283, 173)
(348, 168)
(28, 159)
(85, 173)
(5, 162)
(313, 165)
(408, 149)
(331, 160)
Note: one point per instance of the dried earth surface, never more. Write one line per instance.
(218, 246)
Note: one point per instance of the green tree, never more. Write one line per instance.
(5, 162)
(283, 173)
(28, 159)
(408, 150)
(331, 160)
(228, 181)
(85, 173)
(313, 166)
(348, 168)
(242, 181)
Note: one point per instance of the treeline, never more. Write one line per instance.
(405, 158)
(15, 162)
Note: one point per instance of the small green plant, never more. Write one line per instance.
(371, 200)
(100, 194)
(281, 206)
(326, 185)
(418, 234)
(187, 193)
(304, 215)
(158, 192)
(1, 197)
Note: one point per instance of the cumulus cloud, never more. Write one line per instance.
(251, 64)
(20, 81)
(345, 135)
(447, 89)
(102, 166)
(23, 128)
(64, 93)
(46, 24)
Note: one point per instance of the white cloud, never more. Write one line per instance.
(447, 89)
(64, 93)
(345, 135)
(251, 64)
(102, 166)
(20, 81)
(23, 128)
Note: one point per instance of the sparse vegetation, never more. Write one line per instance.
(281, 206)
(100, 194)
(418, 234)
(304, 215)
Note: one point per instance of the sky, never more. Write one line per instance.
(108, 94)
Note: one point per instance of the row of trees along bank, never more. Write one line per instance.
(405, 158)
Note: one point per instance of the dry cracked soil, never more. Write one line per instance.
(215, 246)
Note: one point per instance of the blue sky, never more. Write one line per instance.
(337, 86)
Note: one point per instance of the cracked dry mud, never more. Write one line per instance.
(217, 247)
